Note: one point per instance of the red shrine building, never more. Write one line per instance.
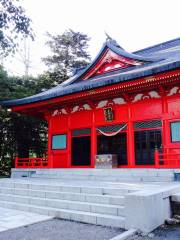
(124, 104)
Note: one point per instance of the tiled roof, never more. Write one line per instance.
(156, 59)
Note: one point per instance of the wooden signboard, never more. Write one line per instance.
(108, 114)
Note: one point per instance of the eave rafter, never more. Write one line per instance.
(124, 89)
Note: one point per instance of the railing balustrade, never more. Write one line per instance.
(31, 162)
(167, 158)
(164, 158)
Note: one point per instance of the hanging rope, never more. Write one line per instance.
(113, 133)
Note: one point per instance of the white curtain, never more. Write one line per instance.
(112, 133)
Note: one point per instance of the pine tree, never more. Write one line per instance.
(69, 52)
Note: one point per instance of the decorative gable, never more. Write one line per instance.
(110, 61)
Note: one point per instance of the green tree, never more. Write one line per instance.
(13, 24)
(29, 134)
(6, 142)
(69, 51)
(19, 134)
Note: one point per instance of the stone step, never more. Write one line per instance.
(80, 216)
(113, 175)
(106, 178)
(92, 198)
(115, 210)
(138, 177)
(67, 188)
(101, 172)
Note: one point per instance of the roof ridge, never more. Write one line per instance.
(158, 46)
(114, 47)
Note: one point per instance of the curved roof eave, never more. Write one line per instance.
(162, 62)
(59, 91)
(124, 53)
(118, 50)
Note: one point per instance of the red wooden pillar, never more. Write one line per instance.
(93, 141)
(130, 139)
(50, 155)
(165, 121)
(156, 157)
(69, 143)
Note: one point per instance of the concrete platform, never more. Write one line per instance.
(96, 196)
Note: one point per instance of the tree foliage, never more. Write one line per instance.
(19, 135)
(69, 52)
(13, 24)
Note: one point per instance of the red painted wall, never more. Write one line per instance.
(165, 108)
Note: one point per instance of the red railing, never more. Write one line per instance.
(164, 158)
(167, 158)
(31, 162)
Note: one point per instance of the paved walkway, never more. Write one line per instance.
(10, 219)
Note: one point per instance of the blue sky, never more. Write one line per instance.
(135, 24)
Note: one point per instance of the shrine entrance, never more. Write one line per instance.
(113, 143)
(81, 147)
(145, 144)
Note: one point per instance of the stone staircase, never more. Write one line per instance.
(113, 175)
(124, 198)
(101, 205)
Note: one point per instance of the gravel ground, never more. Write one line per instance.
(162, 233)
(56, 229)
